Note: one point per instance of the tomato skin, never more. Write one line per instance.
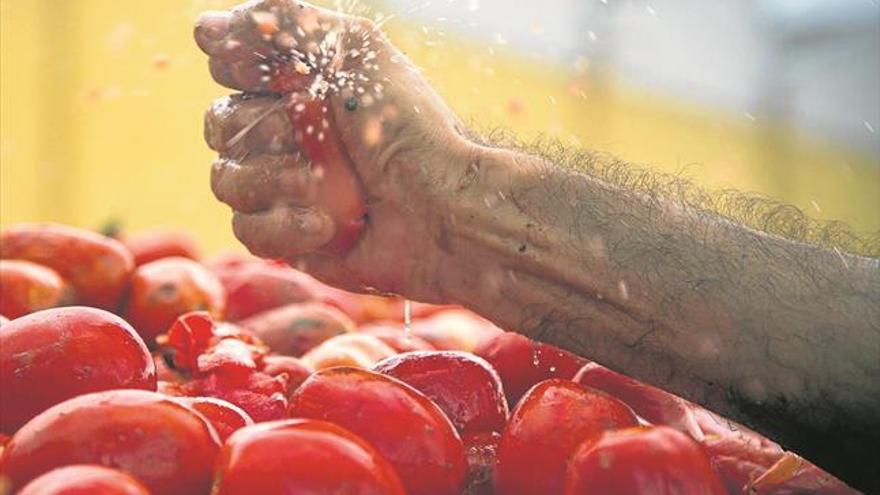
(26, 287)
(657, 460)
(224, 416)
(84, 479)
(409, 430)
(166, 445)
(550, 422)
(253, 287)
(350, 349)
(296, 328)
(164, 289)
(55, 354)
(153, 244)
(302, 456)
(465, 387)
(481, 450)
(522, 362)
(97, 267)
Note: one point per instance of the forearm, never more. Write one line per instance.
(779, 335)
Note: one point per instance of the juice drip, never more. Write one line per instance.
(407, 318)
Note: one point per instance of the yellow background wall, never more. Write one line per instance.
(102, 101)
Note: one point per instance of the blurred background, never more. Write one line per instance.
(101, 101)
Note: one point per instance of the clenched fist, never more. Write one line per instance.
(337, 156)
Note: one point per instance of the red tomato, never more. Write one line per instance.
(26, 287)
(394, 336)
(84, 479)
(97, 267)
(340, 194)
(256, 286)
(350, 349)
(55, 354)
(296, 328)
(454, 329)
(261, 396)
(296, 370)
(522, 362)
(224, 416)
(465, 387)
(166, 445)
(551, 420)
(656, 460)
(151, 245)
(654, 405)
(481, 450)
(302, 456)
(164, 289)
(407, 428)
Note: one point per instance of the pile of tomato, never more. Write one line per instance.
(132, 366)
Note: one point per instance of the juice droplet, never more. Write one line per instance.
(407, 318)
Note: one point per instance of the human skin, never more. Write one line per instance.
(778, 334)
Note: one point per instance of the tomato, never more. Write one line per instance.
(551, 420)
(296, 328)
(302, 456)
(654, 405)
(340, 194)
(407, 428)
(393, 335)
(453, 329)
(164, 289)
(26, 287)
(481, 450)
(224, 416)
(166, 445)
(351, 349)
(55, 354)
(465, 387)
(97, 267)
(154, 244)
(256, 286)
(522, 362)
(657, 460)
(84, 479)
(295, 370)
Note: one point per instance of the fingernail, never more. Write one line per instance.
(212, 25)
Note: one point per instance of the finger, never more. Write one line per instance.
(236, 124)
(260, 182)
(283, 231)
(242, 76)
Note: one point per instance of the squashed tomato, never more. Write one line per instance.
(656, 460)
(97, 267)
(164, 289)
(151, 245)
(550, 422)
(26, 287)
(166, 445)
(296, 328)
(295, 370)
(465, 387)
(522, 362)
(84, 479)
(224, 416)
(55, 354)
(407, 428)
(302, 456)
